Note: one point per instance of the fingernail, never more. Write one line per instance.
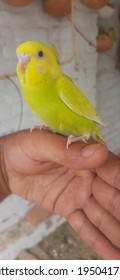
(89, 150)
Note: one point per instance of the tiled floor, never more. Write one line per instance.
(62, 244)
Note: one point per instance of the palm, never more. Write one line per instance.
(47, 183)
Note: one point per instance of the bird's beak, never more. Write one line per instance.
(23, 59)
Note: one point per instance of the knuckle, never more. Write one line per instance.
(117, 178)
(100, 219)
(114, 202)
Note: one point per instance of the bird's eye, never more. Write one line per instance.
(40, 53)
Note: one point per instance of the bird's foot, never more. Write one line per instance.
(40, 127)
(72, 139)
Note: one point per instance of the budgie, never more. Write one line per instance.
(53, 97)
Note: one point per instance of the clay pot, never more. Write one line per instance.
(18, 3)
(57, 8)
(104, 43)
(95, 4)
(106, 12)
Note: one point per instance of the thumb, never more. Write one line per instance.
(48, 146)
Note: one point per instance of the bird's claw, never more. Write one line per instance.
(40, 127)
(72, 139)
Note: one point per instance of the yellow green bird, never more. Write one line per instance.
(53, 97)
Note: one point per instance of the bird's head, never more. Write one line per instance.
(37, 63)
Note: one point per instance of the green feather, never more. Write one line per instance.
(53, 97)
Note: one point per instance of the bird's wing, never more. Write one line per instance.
(76, 100)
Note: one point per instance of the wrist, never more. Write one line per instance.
(4, 190)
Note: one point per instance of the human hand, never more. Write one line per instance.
(38, 167)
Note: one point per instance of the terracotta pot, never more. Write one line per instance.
(95, 4)
(18, 3)
(106, 12)
(57, 8)
(104, 43)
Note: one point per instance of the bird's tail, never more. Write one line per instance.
(98, 136)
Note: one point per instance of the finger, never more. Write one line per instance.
(107, 196)
(102, 220)
(93, 237)
(45, 145)
(110, 170)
